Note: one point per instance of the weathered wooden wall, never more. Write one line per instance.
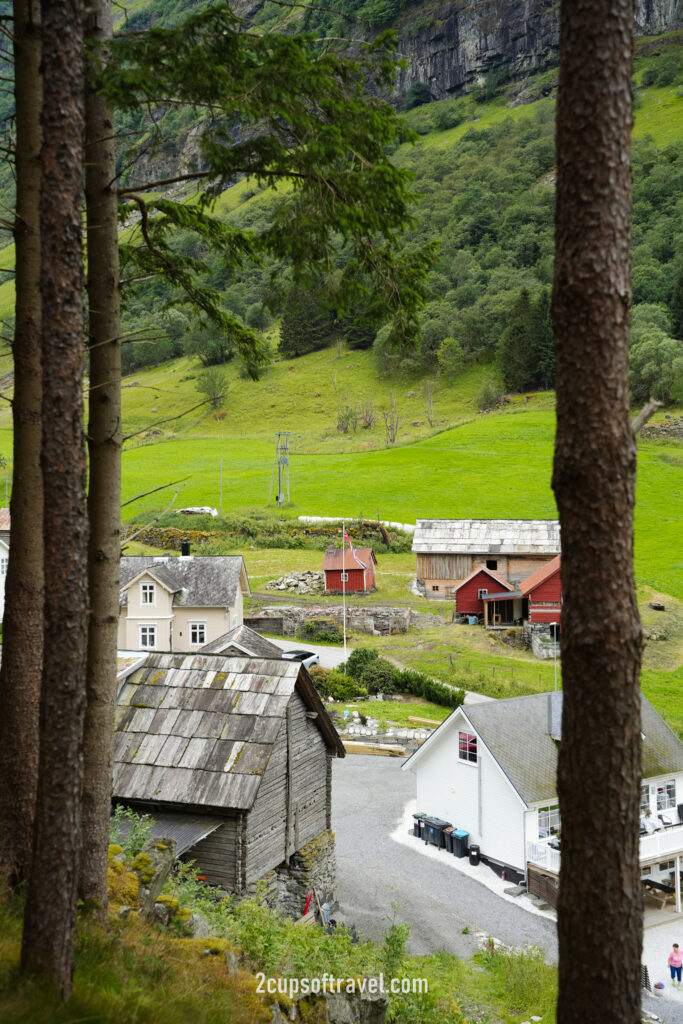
(217, 856)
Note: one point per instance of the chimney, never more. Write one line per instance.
(184, 548)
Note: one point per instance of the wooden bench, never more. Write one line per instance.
(658, 891)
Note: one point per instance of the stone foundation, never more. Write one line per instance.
(312, 867)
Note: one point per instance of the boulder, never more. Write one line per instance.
(152, 867)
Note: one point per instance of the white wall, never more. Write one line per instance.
(4, 555)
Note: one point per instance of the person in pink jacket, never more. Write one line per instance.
(675, 965)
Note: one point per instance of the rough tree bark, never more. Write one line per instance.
(22, 647)
(104, 493)
(600, 924)
(50, 914)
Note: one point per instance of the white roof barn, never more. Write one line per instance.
(487, 536)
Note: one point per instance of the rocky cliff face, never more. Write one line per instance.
(449, 46)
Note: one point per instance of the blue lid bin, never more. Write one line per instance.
(460, 842)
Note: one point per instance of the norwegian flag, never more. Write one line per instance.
(348, 540)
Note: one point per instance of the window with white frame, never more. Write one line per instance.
(667, 865)
(467, 747)
(148, 635)
(644, 799)
(666, 795)
(197, 633)
(148, 593)
(3, 566)
(548, 821)
(482, 593)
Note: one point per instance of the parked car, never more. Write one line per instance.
(307, 658)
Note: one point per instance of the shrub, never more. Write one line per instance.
(357, 662)
(335, 684)
(213, 384)
(379, 677)
(489, 395)
(417, 96)
(139, 829)
(420, 685)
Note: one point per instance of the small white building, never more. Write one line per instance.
(179, 603)
(4, 555)
(490, 769)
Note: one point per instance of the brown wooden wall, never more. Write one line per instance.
(544, 884)
(217, 856)
(454, 568)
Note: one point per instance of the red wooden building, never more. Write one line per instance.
(469, 595)
(360, 578)
(543, 589)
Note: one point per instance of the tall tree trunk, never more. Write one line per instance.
(600, 913)
(50, 914)
(22, 649)
(104, 495)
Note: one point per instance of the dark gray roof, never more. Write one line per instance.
(248, 640)
(186, 829)
(518, 730)
(198, 730)
(198, 581)
(487, 536)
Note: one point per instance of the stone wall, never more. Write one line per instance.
(544, 650)
(378, 620)
(314, 866)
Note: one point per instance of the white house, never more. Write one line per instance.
(490, 769)
(179, 603)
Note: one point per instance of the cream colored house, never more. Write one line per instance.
(179, 603)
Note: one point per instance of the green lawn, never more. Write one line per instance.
(397, 713)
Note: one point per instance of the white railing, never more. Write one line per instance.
(544, 856)
(663, 844)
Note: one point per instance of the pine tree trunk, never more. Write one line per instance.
(22, 647)
(50, 914)
(600, 912)
(104, 495)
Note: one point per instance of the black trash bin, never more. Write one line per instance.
(417, 823)
(460, 841)
(449, 838)
(432, 831)
(475, 855)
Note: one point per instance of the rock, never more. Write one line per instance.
(152, 867)
(232, 961)
(124, 912)
(199, 927)
(657, 606)
(162, 913)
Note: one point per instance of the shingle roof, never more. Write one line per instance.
(198, 730)
(5, 523)
(245, 638)
(540, 575)
(341, 558)
(203, 581)
(487, 536)
(519, 734)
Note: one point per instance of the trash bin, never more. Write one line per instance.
(432, 831)
(474, 855)
(417, 823)
(472, 620)
(448, 836)
(460, 841)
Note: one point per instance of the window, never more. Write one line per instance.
(3, 566)
(467, 747)
(492, 563)
(482, 593)
(644, 799)
(148, 636)
(666, 795)
(667, 865)
(197, 632)
(435, 588)
(548, 821)
(148, 593)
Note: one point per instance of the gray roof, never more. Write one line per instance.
(197, 581)
(487, 536)
(518, 731)
(186, 829)
(245, 639)
(198, 730)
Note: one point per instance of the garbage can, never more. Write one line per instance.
(460, 841)
(417, 823)
(474, 855)
(432, 831)
(449, 837)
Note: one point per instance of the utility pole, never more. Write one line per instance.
(282, 463)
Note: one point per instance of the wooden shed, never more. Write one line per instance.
(232, 756)
(359, 571)
(470, 594)
(448, 550)
(544, 592)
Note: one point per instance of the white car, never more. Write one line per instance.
(307, 658)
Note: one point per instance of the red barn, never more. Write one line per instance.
(470, 594)
(359, 578)
(544, 592)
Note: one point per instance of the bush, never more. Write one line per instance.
(337, 685)
(213, 384)
(489, 395)
(420, 685)
(358, 661)
(417, 96)
(139, 830)
(379, 676)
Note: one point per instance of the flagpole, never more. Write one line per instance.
(344, 583)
